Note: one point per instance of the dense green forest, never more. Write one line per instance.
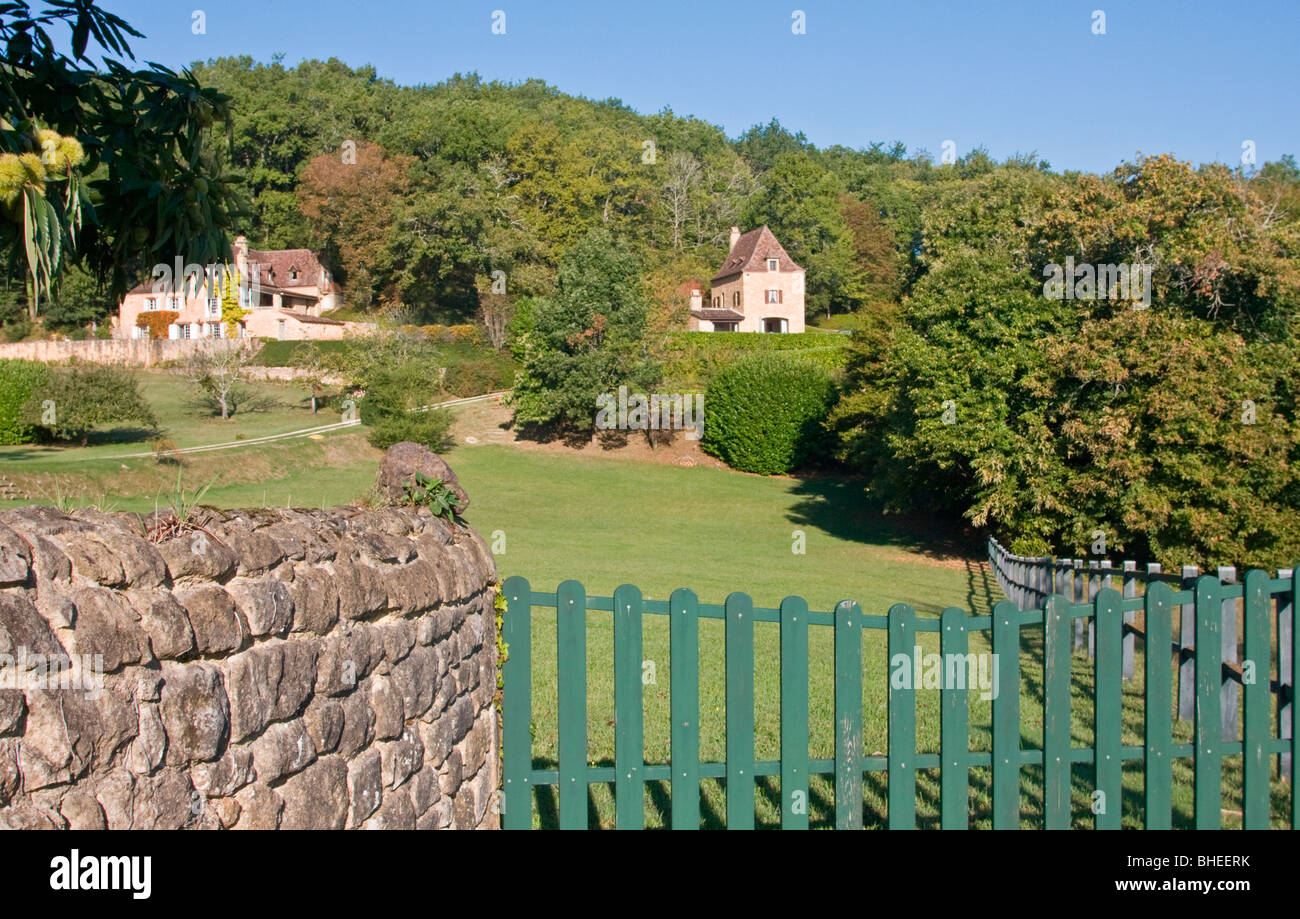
(419, 194)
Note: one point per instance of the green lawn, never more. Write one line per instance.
(607, 521)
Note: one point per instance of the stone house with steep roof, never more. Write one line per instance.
(759, 288)
(286, 294)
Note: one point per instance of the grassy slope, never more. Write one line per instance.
(607, 521)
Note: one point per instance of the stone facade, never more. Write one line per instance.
(267, 669)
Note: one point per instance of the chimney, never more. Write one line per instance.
(241, 252)
(697, 299)
(735, 235)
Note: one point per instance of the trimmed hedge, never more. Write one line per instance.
(764, 413)
(692, 359)
(18, 381)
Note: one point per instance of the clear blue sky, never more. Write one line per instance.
(1192, 78)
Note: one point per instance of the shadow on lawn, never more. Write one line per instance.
(840, 507)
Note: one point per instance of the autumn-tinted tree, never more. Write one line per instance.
(354, 202)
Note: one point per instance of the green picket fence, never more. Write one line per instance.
(1057, 756)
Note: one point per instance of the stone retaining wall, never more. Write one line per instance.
(279, 668)
(131, 352)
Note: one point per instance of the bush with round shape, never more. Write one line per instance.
(764, 413)
(19, 380)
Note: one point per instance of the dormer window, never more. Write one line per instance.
(293, 274)
(773, 264)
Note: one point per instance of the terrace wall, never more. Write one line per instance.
(275, 668)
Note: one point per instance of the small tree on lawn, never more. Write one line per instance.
(310, 364)
(219, 373)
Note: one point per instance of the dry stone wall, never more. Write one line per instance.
(269, 669)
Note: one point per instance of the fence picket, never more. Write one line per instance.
(1130, 616)
(848, 716)
(1228, 655)
(1056, 715)
(954, 723)
(1294, 650)
(1108, 709)
(1285, 670)
(1187, 645)
(794, 714)
(571, 673)
(1208, 794)
(902, 719)
(517, 704)
(1079, 584)
(1094, 585)
(1158, 771)
(684, 651)
(1256, 701)
(629, 734)
(740, 711)
(1006, 717)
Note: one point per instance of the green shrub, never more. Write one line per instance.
(691, 359)
(16, 330)
(431, 428)
(18, 381)
(386, 408)
(78, 397)
(764, 413)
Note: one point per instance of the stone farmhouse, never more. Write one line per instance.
(290, 288)
(759, 288)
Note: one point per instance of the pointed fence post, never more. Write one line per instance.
(1130, 593)
(1186, 649)
(1228, 655)
(1094, 585)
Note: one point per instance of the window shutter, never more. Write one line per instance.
(780, 295)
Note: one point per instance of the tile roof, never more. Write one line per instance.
(314, 320)
(751, 252)
(275, 268)
(712, 314)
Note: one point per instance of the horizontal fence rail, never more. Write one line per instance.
(1028, 581)
(1106, 611)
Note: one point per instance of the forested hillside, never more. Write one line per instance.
(466, 177)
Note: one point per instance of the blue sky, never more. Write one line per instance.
(1192, 78)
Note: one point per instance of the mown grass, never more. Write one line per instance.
(608, 521)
